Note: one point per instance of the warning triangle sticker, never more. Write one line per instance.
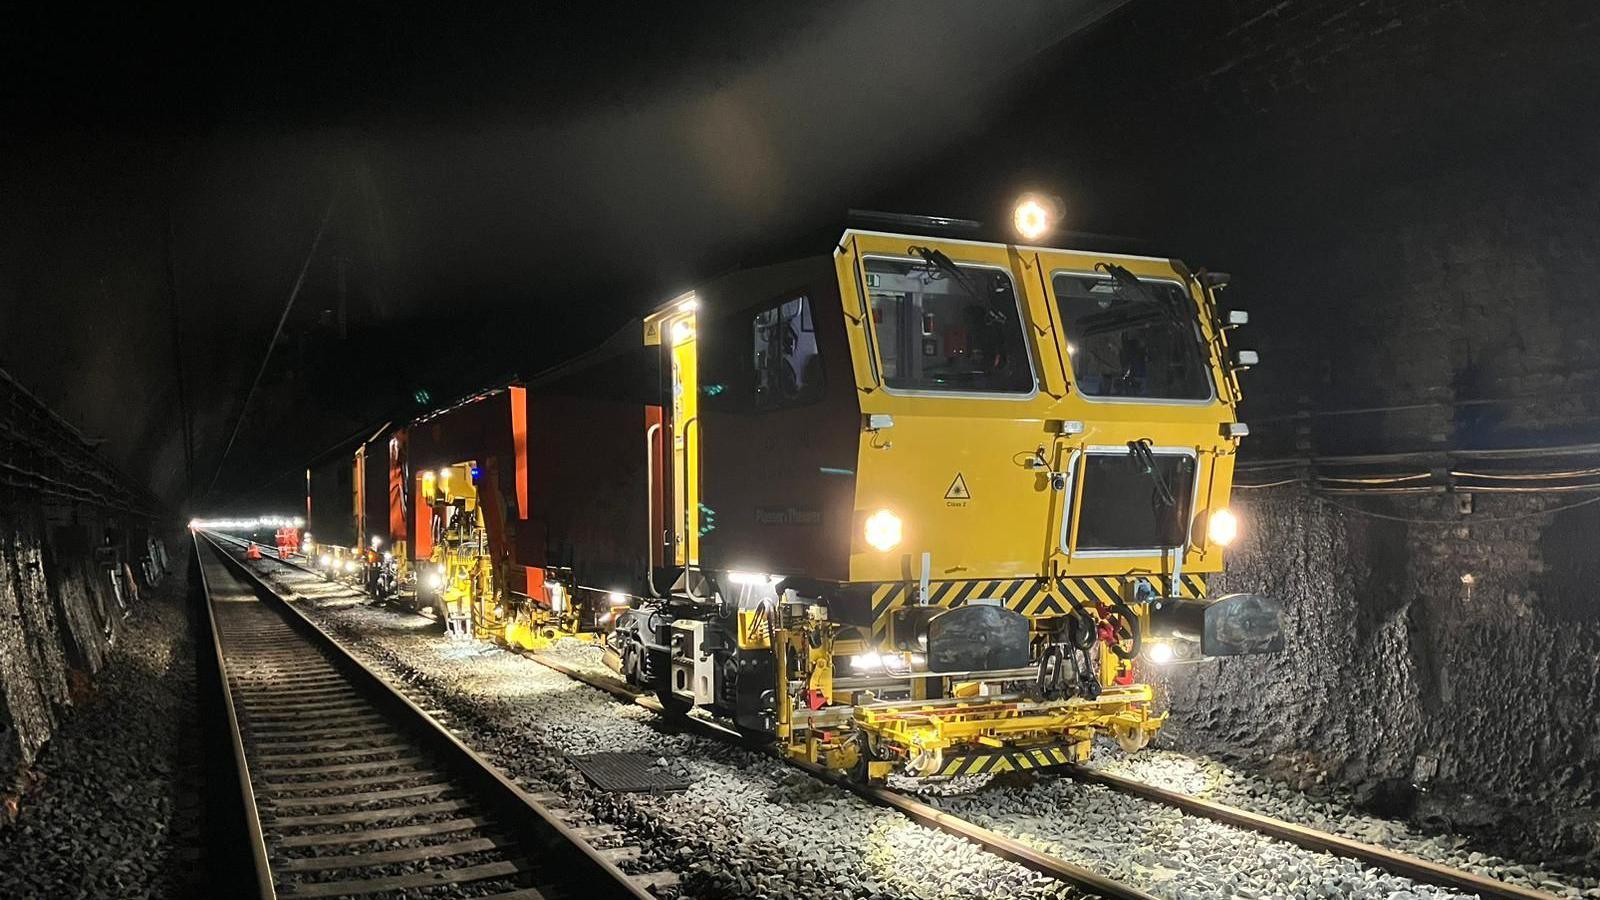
(958, 489)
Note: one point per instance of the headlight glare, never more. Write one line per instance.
(883, 530)
(1222, 526)
(1158, 652)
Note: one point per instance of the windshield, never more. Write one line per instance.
(937, 332)
(1132, 340)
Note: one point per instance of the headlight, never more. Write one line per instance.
(1222, 527)
(325, 561)
(1158, 652)
(866, 662)
(436, 581)
(883, 530)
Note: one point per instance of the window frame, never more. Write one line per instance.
(1207, 364)
(1028, 346)
(805, 296)
(1077, 467)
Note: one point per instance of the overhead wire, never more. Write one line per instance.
(283, 317)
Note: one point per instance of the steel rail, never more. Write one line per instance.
(1413, 867)
(254, 838)
(1394, 861)
(580, 868)
(917, 811)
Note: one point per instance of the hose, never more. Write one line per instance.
(1134, 638)
(1051, 662)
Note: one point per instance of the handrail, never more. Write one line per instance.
(688, 541)
(649, 508)
(868, 337)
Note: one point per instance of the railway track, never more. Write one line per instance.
(1381, 858)
(351, 790)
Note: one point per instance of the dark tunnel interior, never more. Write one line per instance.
(238, 243)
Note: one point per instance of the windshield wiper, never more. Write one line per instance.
(945, 265)
(1129, 282)
(1144, 459)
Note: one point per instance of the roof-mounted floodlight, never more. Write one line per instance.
(1032, 218)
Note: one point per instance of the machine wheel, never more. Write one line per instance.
(864, 755)
(674, 706)
(630, 663)
(925, 763)
(1132, 739)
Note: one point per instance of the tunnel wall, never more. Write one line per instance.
(59, 614)
(1400, 674)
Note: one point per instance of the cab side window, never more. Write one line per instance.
(788, 369)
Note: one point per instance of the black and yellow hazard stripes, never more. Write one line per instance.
(1007, 761)
(1029, 596)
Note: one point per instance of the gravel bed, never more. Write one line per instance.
(118, 812)
(1165, 851)
(1215, 781)
(748, 826)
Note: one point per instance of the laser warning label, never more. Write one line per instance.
(958, 495)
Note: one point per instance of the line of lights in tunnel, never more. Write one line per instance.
(247, 524)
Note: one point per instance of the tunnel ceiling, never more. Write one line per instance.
(1405, 199)
(458, 200)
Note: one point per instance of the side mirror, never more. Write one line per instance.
(1215, 281)
(1233, 318)
(1244, 359)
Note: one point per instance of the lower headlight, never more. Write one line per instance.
(866, 662)
(1222, 527)
(1158, 652)
(883, 530)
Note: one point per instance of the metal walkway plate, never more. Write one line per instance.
(627, 772)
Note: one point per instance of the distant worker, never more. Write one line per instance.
(288, 539)
(253, 552)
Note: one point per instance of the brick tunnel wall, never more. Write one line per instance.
(1405, 193)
